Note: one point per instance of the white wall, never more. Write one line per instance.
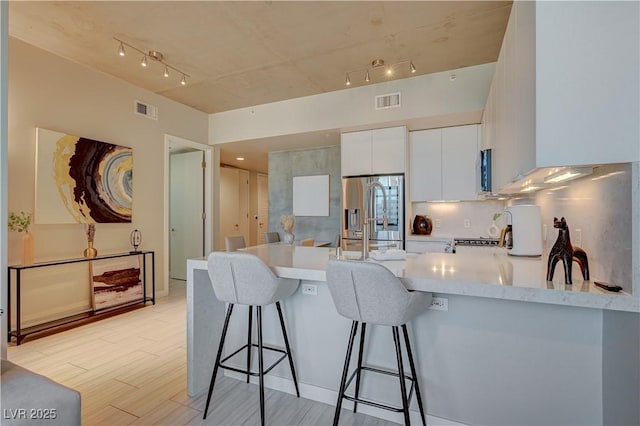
(50, 92)
(428, 95)
(4, 185)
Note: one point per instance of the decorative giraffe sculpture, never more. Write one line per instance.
(563, 250)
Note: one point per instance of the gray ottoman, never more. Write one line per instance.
(28, 398)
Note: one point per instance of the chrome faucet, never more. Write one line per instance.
(367, 220)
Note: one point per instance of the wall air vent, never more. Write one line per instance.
(390, 100)
(149, 111)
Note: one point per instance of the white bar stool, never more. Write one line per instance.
(242, 278)
(369, 293)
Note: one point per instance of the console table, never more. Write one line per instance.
(20, 333)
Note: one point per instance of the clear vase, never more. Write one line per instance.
(27, 249)
(90, 252)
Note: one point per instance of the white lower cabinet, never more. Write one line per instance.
(443, 163)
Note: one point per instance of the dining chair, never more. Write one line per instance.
(271, 237)
(234, 242)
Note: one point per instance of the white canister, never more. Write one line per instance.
(526, 222)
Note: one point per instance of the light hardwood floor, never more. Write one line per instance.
(131, 370)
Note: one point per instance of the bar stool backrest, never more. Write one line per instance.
(370, 293)
(243, 278)
(234, 242)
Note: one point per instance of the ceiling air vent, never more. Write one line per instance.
(390, 100)
(147, 110)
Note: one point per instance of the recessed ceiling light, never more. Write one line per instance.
(240, 158)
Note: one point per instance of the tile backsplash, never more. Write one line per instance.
(599, 206)
(452, 217)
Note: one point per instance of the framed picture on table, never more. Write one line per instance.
(115, 282)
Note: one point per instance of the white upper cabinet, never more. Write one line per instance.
(355, 153)
(380, 151)
(459, 162)
(566, 89)
(425, 153)
(388, 150)
(443, 163)
(587, 82)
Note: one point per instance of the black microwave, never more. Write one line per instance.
(485, 170)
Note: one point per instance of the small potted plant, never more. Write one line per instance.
(20, 223)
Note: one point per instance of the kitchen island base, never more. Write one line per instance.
(484, 361)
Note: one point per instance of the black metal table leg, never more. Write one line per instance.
(153, 277)
(9, 305)
(18, 334)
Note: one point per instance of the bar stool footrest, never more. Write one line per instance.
(253, 373)
(373, 403)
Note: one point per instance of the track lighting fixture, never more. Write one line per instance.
(153, 54)
(379, 64)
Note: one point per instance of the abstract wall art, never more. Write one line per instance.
(80, 180)
(115, 282)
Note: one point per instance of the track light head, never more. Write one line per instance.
(121, 50)
(183, 81)
(166, 71)
(378, 64)
(143, 62)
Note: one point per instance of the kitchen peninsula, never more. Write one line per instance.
(511, 349)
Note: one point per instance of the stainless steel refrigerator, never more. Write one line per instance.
(384, 198)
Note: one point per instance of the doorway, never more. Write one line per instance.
(263, 207)
(234, 205)
(186, 209)
(187, 204)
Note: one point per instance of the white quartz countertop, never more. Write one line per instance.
(490, 274)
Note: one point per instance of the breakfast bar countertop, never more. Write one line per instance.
(490, 274)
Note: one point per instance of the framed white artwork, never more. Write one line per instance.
(311, 195)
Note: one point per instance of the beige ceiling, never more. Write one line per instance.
(239, 54)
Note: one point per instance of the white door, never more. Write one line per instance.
(243, 204)
(229, 204)
(234, 203)
(186, 220)
(263, 207)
